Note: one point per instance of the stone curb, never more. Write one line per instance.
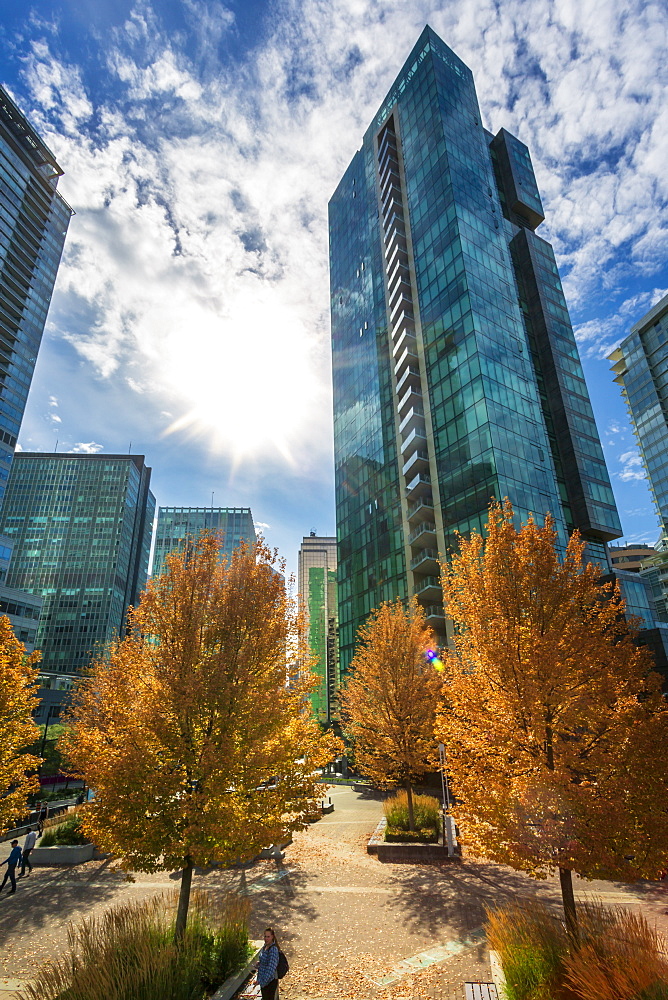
(231, 985)
(498, 977)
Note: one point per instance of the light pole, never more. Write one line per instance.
(446, 801)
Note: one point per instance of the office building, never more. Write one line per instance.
(33, 224)
(176, 525)
(318, 604)
(640, 364)
(631, 557)
(456, 373)
(81, 530)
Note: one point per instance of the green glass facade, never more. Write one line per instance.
(640, 364)
(319, 604)
(456, 373)
(33, 224)
(178, 524)
(81, 527)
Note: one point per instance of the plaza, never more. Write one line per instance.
(351, 926)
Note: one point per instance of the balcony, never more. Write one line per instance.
(428, 587)
(412, 397)
(421, 511)
(402, 289)
(398, 258)
(411, 377)
(401, 303)
(412, 420)
(428, 559)
(434, 612)
(408, 358)
(395, 240)
(403, 322)
(406, 340)
(425, 534)
(416, 439)
(418, 486)
(417, 462)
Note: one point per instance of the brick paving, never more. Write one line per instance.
(351, 926)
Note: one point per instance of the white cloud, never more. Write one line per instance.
(200, 241)
(632, 467)
(261, 525)
(86, 448)
(598, 337)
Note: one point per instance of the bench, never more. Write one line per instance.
(480, 991)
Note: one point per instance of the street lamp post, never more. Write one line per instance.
(446, 801)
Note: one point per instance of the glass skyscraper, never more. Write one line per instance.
(176, 525)
(33, 225)
(456, 373)
(318, 603)
(640, 364)
(81, 527)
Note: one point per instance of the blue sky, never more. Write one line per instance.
(201, 142)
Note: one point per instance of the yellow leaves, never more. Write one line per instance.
(545, 728)
(389, 703)
(184, 727)
(18, 698)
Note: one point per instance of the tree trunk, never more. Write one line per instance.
(184, 900)
(411, 814)
(566, 880)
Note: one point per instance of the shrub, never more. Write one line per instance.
(394, 835)
(531, 943)
(65, 833)
(426, 811)
(621, 957)
(127, 953)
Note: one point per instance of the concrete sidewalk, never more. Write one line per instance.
(351, 926)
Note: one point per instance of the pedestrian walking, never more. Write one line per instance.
(267, 967)
(12, 861)
(42, 817)
(28, 845)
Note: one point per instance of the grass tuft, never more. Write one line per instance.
(127, 952)
(426, 811)
(619, 957)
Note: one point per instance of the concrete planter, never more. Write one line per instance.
(68, 854)
(231, 985)
(407, 851)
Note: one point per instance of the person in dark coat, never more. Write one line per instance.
(12, 861)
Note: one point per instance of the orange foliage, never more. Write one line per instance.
(18, 700)
(183, 727)
(389, 704)
(554, 722)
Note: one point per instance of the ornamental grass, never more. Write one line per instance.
(426, 811)
(619, 957)
(127, 953)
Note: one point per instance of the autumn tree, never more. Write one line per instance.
(554, 721)
(389, 704)
(197, 750)
(18, 700)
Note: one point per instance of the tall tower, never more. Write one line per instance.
(318, 604)
(456, 373)
(640, 364)
(33, 225)
(81, 529)
(176, 525)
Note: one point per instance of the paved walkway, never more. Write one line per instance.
(351, 926)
